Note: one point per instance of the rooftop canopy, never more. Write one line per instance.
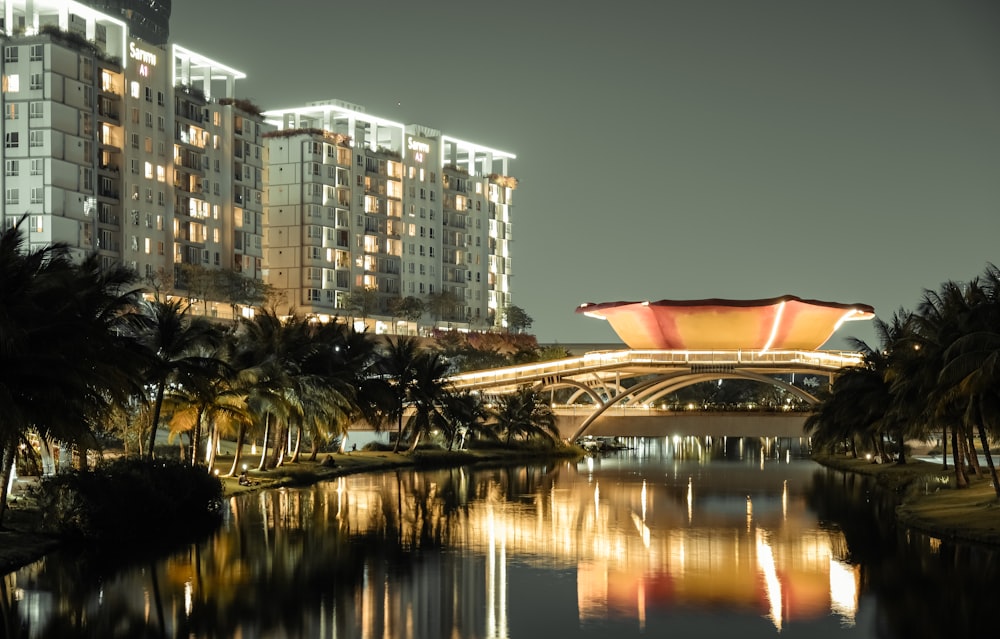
(778, 323)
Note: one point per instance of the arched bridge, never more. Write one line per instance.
(634, 380)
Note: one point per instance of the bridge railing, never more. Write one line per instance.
(598, 361)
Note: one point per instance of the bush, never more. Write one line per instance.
(132, 501)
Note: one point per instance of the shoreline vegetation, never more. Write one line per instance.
(928, 501)
(22, 543)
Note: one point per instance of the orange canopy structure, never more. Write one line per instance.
(777, 323)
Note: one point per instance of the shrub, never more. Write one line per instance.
(131, 501)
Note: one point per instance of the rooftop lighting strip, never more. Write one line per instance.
(198, 60)
(88, 13)
(774, 328)
(475, 148)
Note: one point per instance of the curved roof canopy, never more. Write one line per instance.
(779, 323)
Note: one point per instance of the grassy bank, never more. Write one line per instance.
(930, 502)
(21, 542)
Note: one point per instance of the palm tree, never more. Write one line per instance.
(466, 415)
(61, 367)
(938, 322)
(972, 367)
(427, 395)
(397, 366)
(525, 413)
(173, 342)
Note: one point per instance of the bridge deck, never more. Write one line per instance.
(608, 365)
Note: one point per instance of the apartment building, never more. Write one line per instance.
(148, 20)
(139, 152)
(362, 212)
(143, 153)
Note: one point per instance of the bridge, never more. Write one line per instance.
(619, 392)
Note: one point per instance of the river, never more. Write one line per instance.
(734, 539)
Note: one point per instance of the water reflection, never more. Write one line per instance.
(627, 545)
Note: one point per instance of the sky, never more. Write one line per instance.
(840, 150)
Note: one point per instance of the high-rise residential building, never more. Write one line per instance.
(148, 20)
(139, 152)
(144, 154)
(363, 212)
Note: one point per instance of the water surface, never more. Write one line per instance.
(654, 541)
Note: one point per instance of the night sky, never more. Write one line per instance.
(841, 150)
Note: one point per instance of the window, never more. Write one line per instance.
(36, 138)
(159, 98)
(11, 83)
(10, 54)
(12, 196)
(10, 111)
(36, 110)
(134, 115)
(12, 168)
(149, 119)
(160, 123)
(36, 166)
(37, 52)
(36, 81)
(149, 94)
(134, 166)
(134, 140)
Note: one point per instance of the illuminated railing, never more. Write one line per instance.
(604, 362)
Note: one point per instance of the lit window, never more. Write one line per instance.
(11, 83)
(134, 91)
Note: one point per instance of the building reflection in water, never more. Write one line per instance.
(429, 553)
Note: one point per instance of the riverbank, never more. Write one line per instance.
(930, 502)
(22, 543)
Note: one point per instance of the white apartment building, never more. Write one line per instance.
(144, 154)
(139, 152)
(358, 203)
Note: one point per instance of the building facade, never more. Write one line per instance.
(139, 152)
(362, 213)
(148, 20)
(143, 153)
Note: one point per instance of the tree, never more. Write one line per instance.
(362, 301)
(408, 308)
(516, 318)
(63, 364)
(427, 395)
(397, 366)
(466, 415)
(443, 305)
(524, 413)
(176, 348)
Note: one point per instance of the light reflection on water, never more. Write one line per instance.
(633, 544)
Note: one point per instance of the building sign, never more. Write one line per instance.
(420, 149)
(146, 59)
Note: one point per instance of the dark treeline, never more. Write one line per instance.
(935, 374)
(89, 357)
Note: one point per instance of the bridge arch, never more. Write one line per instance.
(604, 376)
